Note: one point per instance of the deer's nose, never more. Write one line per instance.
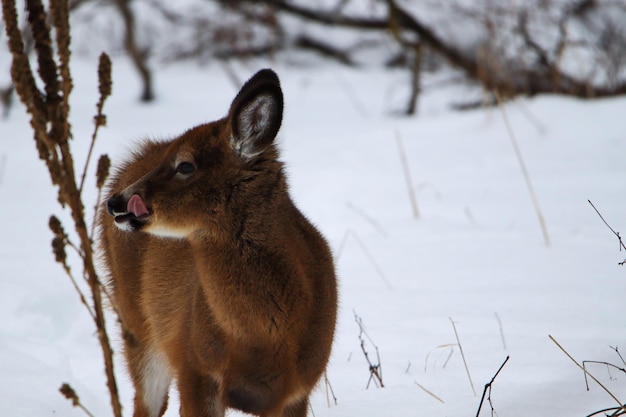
(116, 205)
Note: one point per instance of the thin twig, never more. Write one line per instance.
(367, 253)
(520, 160)
(376, 372)
(621, 242)
(407, 176)
(608, 366)
(488, 388)
(89, 153)
(232, 74)
(445, 363)
(501, 331)
(607, 225)
(367, 217)
(372, 261)
(329, 390)
(354, 98)
(618, 354)
(81, 295)
(539, 127)
(104, 76)
(96, 210)
(619, 411)
(585, 371)
(72, 245)
(342, 244)
(463, 356)
(102, 173)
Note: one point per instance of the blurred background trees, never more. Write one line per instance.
(506, 48)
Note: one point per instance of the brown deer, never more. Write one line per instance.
(220, 282)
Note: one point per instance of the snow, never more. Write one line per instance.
(476, 255)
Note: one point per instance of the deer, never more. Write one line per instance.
(220, 282)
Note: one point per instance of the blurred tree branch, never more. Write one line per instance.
(545, 77)
(572, 47)
(138, 56)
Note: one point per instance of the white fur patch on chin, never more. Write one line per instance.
(124, 226)
(168, 232)
(156, 378)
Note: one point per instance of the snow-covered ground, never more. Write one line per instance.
(476, 256)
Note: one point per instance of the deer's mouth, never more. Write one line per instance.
(130, 222)
(129, 215)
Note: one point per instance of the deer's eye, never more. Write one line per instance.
(185, 168)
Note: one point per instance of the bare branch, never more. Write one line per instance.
(586, 372)
(137, 55)
(376, 372)
(329, 18)
(488, 389)
(621, 243)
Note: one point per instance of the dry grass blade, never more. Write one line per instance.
(367, 218)
(329, 391)
(582, 368)
(407, 177)
(526, 175)
(449, 346)
(456, 334)
(372, 261)
(501, 331)
(420, 386)
(366, 252)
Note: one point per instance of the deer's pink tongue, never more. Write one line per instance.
(137, 206)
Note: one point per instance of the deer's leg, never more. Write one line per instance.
(199, 395)
(298, 409)
(151, 377)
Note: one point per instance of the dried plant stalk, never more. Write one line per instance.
(69, 393)
(49, 111)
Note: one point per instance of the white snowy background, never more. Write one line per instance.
(475, 256)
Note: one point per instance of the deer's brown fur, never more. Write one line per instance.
(222, 284)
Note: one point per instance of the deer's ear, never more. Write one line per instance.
(256, 114)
